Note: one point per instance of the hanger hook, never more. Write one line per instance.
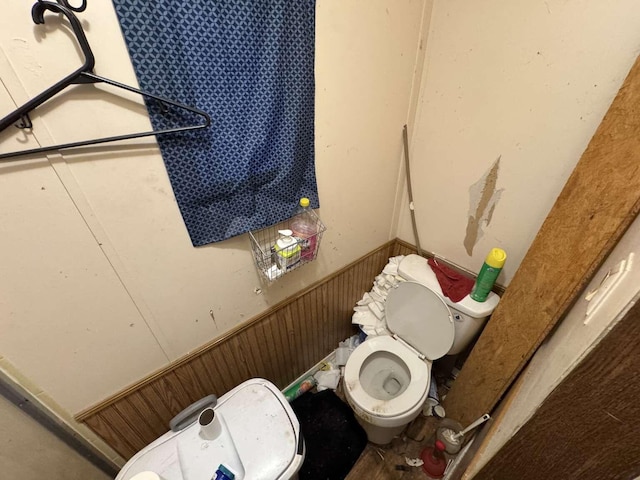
(65, 3)
(37, 13)
(25, 122)
(81, 8)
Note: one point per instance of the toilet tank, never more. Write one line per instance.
(469, 316)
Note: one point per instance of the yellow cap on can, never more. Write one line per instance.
(496, 258)
(304, 202)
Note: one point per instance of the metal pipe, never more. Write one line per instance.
(410, 191)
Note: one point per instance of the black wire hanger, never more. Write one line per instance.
(84, 74)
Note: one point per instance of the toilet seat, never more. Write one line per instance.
(419, 370)
(420, 317)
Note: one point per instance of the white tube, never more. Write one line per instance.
(210, 425)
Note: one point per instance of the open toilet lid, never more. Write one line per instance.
(421, 318)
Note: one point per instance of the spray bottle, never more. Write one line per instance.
(489, 272)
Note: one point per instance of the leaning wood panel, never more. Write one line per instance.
(279, 345)
(598, 203)
(587, 428)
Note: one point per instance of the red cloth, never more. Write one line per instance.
(453, 284)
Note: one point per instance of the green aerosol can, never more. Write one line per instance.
(489, 272)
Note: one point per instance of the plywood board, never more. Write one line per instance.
(598, 203)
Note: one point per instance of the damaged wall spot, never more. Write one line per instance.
(483, 197)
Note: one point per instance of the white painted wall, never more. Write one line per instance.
(525, 81)
(570, 342)
(100, 284)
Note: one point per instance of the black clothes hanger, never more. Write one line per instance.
(84, 74)
(81, 8)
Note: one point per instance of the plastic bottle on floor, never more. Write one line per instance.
(304, 225)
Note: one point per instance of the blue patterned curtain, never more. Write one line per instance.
(249, 64)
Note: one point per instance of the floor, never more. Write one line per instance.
(388, 462)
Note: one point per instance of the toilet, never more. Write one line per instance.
(387, 377)
(251, 432)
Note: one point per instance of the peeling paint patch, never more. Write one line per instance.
(483, 197)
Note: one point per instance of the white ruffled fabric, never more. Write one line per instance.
(369, 311)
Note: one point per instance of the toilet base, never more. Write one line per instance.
(377, 434)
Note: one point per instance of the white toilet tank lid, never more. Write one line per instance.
(420, 317)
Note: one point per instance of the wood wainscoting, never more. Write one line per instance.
(279, 345)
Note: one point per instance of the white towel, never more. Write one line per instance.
(369, 311)
(376, 310)
(366, 299)
(365, 318)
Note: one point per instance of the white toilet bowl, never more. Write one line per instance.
(387, 378)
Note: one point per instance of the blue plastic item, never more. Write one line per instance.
(223, 473)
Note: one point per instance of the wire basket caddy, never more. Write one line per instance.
(270, 265)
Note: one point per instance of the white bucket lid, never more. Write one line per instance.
(260, 438)
(146, 476)
(421, 318)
